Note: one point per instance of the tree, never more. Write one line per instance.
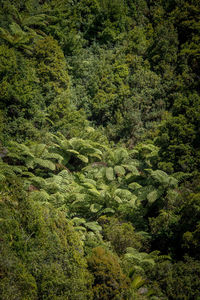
(109, 280)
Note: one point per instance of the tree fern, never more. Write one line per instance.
(84, 150)
(133, 259)
(162, 178)
(7, 171)
(33, 156)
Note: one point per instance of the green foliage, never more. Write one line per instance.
(37, 242)
(108, 89)
(177, 281)
(135, 260)
(77, 149)
(109, 280)
(99, 149)
(51, 67)
(178, 135)
(36, 156)
(120, 234)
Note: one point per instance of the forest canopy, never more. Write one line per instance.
(99, 149)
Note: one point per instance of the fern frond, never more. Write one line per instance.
(137, 282)
(94, 226)
(95, 155)
(30, 163)
(94, 192)
(19, 151)
(8, 171)
(39, 20)
(4, 34)
(38, 149)
(134, 186)
(108, 211)
(45, 163)
(132, 168)
(160, 176)
(152, 196)
(41, 196)
(16, 29)
(123, 194)
(133, 201)
(72, 151)
(65, 174)
(78, 221)
(57, 199)
(119, 170)
(95, 207)
(80, 228)
(38, 181)
(2, 177)
(88, 185)
(83, 158)
(110, 174)
(54, 156)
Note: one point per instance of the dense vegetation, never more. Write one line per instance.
(99, 149)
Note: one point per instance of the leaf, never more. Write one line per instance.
(88, 185)
(95, 207)
(123, 194)
(41, 196)
(95, 155)
(16, 29)
(120, 154)
(110, 174)
(150, 261)
(2, 177)
(108, 210)
(103, 186)
(38, 181)
(172, 195)
(45, 163)
(132, 169)
(134, 152)
(152, 196)
(160, 176)
(119, 170)
(132, 202)
(80, 228)
(94, 192)
(94, 226)
(83, 158)
(173, 181)
(30, 163)
(142, 193)
(118, 199)
(77, 221)
(137, 282)
(65, 174)
(134, 186)
(72, 151)
(55, 156)
(91, 181)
